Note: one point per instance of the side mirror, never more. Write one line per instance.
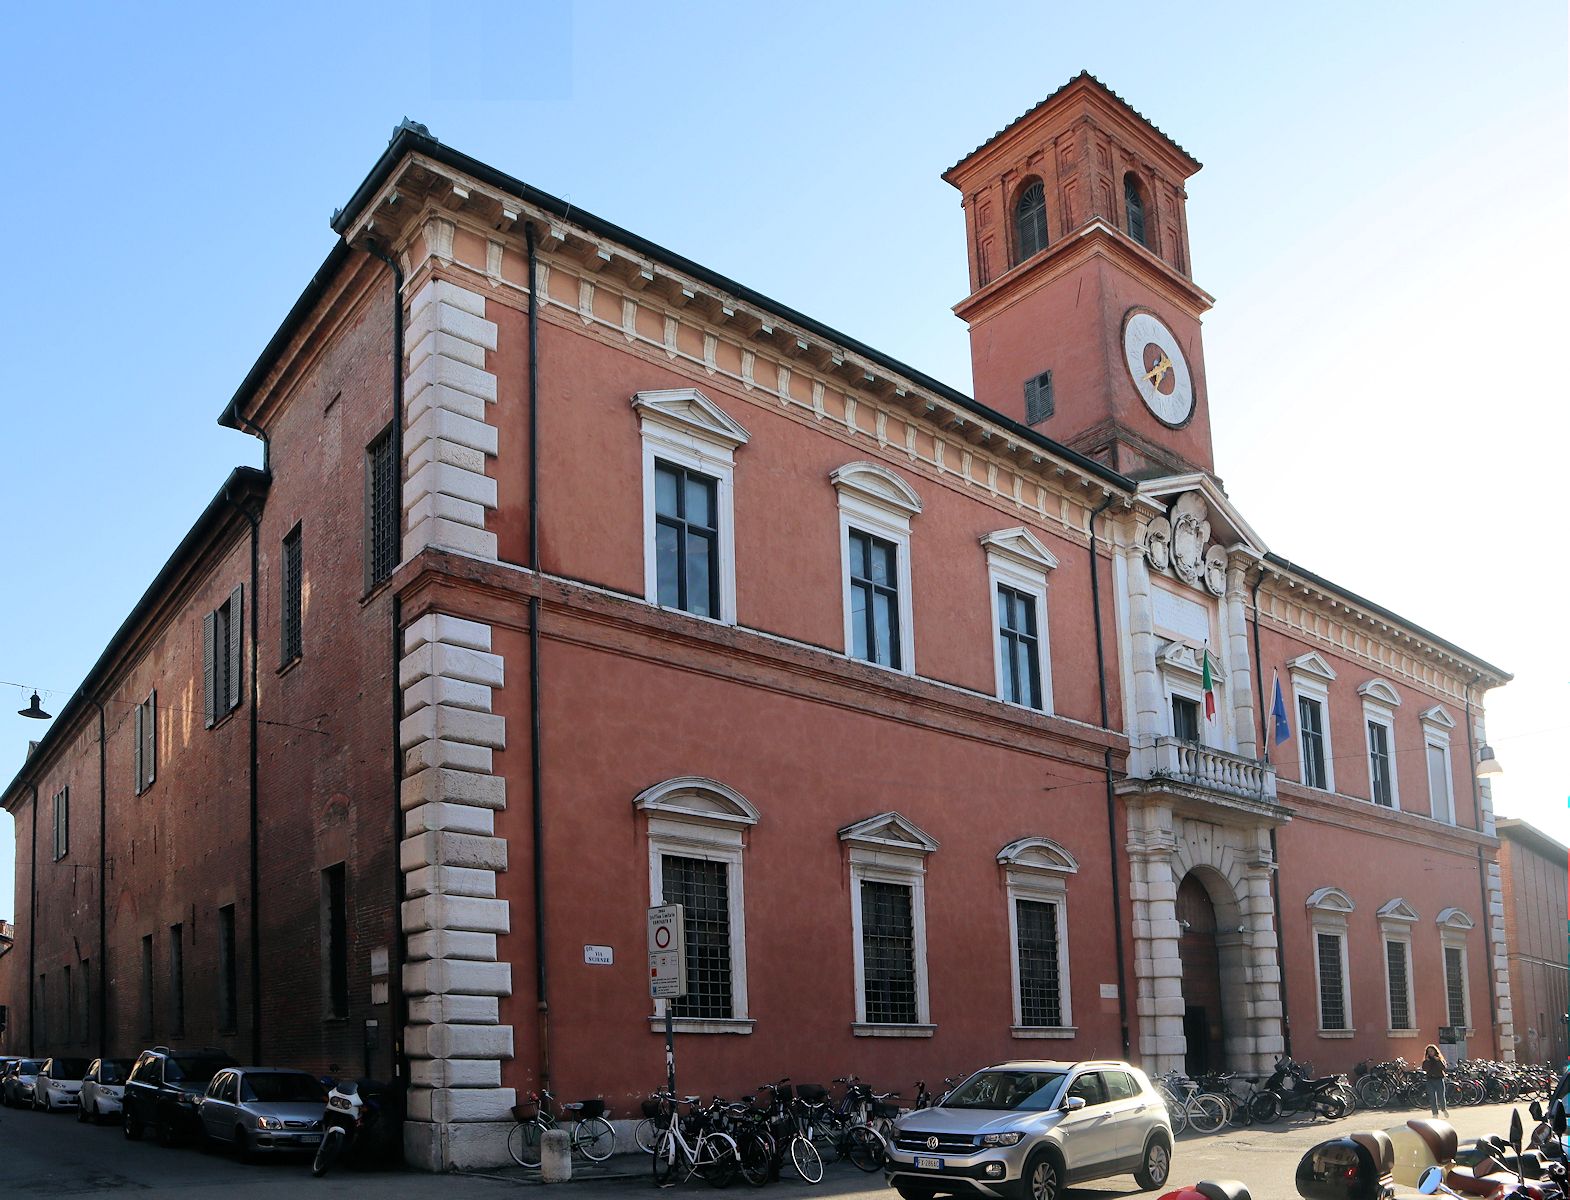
(1515, 1130)
(1556, 1116)
(1074, 1104)
(1536, 1109)
(1431, 1181)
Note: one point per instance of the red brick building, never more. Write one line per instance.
(1535, 869)
(690, 597)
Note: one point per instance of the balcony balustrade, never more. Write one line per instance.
(1206, 767)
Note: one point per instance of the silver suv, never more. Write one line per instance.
(1026, 1130)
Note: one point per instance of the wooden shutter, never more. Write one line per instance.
(236, 644)
(210, 701)
(136, 750)
(150, 740)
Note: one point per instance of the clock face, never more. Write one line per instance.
(1159, 370)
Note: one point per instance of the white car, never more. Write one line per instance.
(57, 1083)
(103, 1089)
(17, 1087)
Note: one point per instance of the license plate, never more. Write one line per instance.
(929, 1164)
(309, 1139)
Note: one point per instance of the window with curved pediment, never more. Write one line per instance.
(888, 870)
(696, 832)
(1328, 910)
(1037, 870)
(1396, 921)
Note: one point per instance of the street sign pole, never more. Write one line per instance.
(668, 974)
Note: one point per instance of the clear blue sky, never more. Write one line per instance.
(1382, 219)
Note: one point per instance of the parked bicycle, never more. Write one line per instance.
(591, 1135)
(790, 1123)
(1187, 1108)
(710, 1154)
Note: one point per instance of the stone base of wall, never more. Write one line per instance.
(457, 1145)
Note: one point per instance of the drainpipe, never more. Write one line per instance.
(103, 880)
(1106, 766)
(32, 929)
(395, 996)
(1266, 734)
(536, 763)
(1482, 871)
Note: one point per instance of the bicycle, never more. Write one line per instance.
(1202, 1114)
(790, 1123)
(647, 1131)
(711, 1155)
(591, 1135)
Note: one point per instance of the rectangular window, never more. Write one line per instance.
(1311, 737)
(1332, 987)
(177, 979)
(290, 644)
(1379, 769)
(62, 819)
(1019, 646)
(1439, 783)
(1396, 976)
(228, 1004)
(703, 888)
(1040, 985)
(147, 986)
(1185, 719)
(888, 950)
(1455, 985)
(687, 539)
(223, 639)
(1038, 398)
(335, 940)
(381, 510)
(874, 600)
(144, 753)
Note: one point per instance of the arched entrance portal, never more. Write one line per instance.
(1201, 949)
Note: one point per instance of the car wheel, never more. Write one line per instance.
(163, 1131)
(910, 1191)
(131, 1127)
(1044, 1177)
(81, 1112)
(243, 1149)
(1156, 1165)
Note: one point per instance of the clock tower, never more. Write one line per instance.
(1084, 323)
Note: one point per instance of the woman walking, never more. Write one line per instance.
(1434, 1077)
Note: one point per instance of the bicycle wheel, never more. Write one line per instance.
(665, 1151)
(1265, 1107)
(645, 1133)
(805, 1158)
(595, 1138)
(717, 1160)
(757, 1157)
(864, 1148)
(1177, 1116)
(1205, 1114)
(523, 1143)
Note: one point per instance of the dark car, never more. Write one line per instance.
(163, 1089)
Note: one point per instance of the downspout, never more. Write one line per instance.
(1106, 765)
(32, 929)
(395, 996)
(536, 764)
(103, 882)
(1265, 735)
(1482, 873)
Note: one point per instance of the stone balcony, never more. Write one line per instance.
(1213, 770)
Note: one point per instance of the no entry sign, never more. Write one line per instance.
(667, 952)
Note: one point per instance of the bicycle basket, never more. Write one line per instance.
(812, 1093)
(591, 1109)
(885, 1111)
(787, 1093)
(525, 1111)
(653, 1109)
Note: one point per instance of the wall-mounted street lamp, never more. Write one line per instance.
(34, 710)
(1487, 764)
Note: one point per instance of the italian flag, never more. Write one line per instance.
(1210, 690)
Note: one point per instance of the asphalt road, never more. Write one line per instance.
(42, 1154)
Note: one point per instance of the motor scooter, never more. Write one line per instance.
(360, 1123)
(1291, 1084)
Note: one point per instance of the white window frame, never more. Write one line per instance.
(1182, 669)
(693, 817)
(1437, 725)
(1329, 908)
(1016, 558)
(890, 849)
(1396, 920)
(1309, 688)
(1037, 869)
(1454, 928)
(684, 427)
(1380, 701)
(872, 499)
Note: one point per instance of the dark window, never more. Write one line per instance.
(381, 509)
(1030, 218)
(1089, 1088)
(1332, 998)
(1134, 207)
(687, 540)
(1439, 783)
(1395, 971)
(1040, 985)
(284, 1087)
(703, 889)
(1311, 732)
(62, 817)
(1185, 719)
(290, 645)
(222, 641)
(145, 751)
(335, 940)
(177, 979)
(1455, 986)
(1379, 768)
(1038, 398)
(874, 599)
(227, 1000)
(1017, 642)
(1120, 1085)
(147, 986)
(888, 953)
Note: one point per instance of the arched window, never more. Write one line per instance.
(1030, 218)
(1134, 208)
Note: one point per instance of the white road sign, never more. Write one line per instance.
(667, 952)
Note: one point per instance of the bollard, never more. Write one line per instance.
(555, 1156)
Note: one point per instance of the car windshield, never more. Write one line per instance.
(192, 1070)
(68, 1068)
(30, 1066)
(1032, 1091)
(285, 1088)
(113, 1070)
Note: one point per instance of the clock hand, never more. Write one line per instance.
(1157, 373)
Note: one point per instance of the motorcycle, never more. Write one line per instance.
(359, 1121)
(1295, 1091)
